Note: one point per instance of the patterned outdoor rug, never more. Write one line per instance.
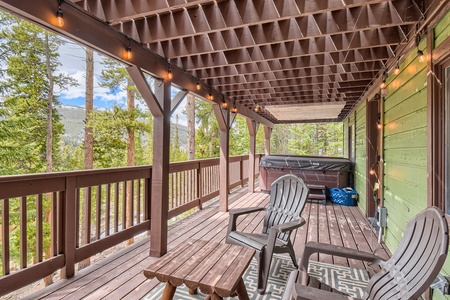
(342, 278)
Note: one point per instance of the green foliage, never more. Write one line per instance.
(176, 153)
(308, 139)
(207, 137)
(25, 86)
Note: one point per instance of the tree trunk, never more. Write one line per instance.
(49, 144)
(88, 148)
(190, 109)
(130, 158)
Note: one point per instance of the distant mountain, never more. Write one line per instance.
(73, 119)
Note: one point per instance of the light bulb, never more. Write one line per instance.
(60, 18)
(372, 172)
(128, 54)
(383, 84)
(421, 56)
(198, 86)
(397, 70)
(169, 74)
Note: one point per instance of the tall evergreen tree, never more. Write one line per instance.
(30, 126)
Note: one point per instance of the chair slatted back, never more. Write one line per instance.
(288, 196)
(416, 262)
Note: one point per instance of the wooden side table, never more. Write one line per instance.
(215, 268)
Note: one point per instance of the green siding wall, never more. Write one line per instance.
(405, 146)
(442, 32)
(361, 156)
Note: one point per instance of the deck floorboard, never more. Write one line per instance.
(120, 275)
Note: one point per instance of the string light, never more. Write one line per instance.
(169, 74)
(383, 83)
(128, 53)
(59, 16)
(421, 56)
(397, 69)
(210, 97)
(257, 108)
(198, 86)
(224, 103)
(234, 108)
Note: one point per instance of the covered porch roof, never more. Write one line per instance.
(270, 59)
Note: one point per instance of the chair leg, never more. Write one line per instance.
(292, 254)
(261, 274)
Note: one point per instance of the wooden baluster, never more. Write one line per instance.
(138, 203)
(60, 205)
(124, 205)
(5, 236)
(98, 212)
(77, 217)
(23, 232)
(39, 228)
(54, 224)
(107, 209)
(116, 207)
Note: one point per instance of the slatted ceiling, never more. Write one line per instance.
(274, 52)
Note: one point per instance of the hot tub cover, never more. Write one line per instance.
(297, 162)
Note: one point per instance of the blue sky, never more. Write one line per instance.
(72, 57)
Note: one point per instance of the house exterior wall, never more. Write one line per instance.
(360, 156)
(405, 143)
(441, 33)
(405, 146)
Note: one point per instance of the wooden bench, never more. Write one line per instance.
(215, 268)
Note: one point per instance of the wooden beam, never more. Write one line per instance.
(160, 172)
(224, 120)
(177, 99)
(141, 84)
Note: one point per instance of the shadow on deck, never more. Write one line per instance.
(120, 275)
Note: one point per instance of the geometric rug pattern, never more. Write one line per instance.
(350, 281)
(344, 279)
(281, 268)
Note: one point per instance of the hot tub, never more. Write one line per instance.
(332, 172)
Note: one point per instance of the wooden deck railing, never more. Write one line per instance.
(51, 221)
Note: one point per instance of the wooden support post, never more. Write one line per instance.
(69, 228)
(224, 120)
(160, 171)
(267, 135)
(252, 130)
(159, 104)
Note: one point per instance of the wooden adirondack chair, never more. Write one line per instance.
(406, 275)
(288, 196)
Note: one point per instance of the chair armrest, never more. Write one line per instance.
(307, 292)
(245, 210)
(235, 213)
(288, 226)
(314, 247)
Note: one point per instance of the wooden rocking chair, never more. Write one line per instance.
(287, 199)
(406, 275)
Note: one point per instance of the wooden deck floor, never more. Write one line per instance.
(120, 275)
